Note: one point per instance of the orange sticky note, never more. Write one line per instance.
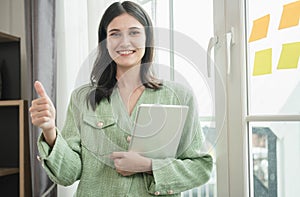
(260, 28)
(289, 56)
(290, 15)
(263, 62)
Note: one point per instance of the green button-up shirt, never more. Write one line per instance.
(82, 148)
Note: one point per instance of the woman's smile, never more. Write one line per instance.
(126, 52)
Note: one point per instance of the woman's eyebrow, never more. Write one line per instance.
(134, 28)
(130, 28)
(113, 30)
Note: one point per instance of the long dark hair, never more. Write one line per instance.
(103, 76)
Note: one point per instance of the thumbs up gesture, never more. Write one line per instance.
(42, 113)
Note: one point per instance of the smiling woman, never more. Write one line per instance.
(124, 29)
(93, 144)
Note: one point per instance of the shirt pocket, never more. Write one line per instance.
(97, 134)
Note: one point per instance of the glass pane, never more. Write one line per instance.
(162, 53)
(273, 57)
(190, 44)
(275, 153)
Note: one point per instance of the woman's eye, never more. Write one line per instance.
(115, 34)
(134, 33)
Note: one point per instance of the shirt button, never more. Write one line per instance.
(100, 124)
(39, 158)
(156, 193)
(128, 138)
(170, 192)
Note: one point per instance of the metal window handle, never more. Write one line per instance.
(229, 42)
(212, 42)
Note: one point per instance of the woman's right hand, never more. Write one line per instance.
(42, 114)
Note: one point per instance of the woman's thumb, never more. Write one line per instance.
(39, 88)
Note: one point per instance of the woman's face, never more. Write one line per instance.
(126, 40)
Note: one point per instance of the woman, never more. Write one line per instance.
(92, 146)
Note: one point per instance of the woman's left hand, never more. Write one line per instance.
(129, 163)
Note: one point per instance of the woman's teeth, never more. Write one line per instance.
(125, 52)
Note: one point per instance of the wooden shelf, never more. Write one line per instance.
(17, 114)
(11, 102)
(8, 38)
(15, 172)
(8, 171)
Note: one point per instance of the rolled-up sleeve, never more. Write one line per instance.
(62, 162)
(176, 175)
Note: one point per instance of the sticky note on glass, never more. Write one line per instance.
(289, 56)
(290, 15)
(260, 28)
(263, 62)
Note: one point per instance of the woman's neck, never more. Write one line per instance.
(130, 86)
(129, 78)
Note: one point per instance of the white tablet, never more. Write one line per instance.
(158, 130)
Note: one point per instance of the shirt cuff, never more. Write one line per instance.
(48, 153)
(156, 183)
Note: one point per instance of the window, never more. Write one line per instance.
(273, 51)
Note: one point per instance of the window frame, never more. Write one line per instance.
(239, 119)
(235, 133)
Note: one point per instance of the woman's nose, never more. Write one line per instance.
(125, 41)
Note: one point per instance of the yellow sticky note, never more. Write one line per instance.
(263, 62)
(290, 15)
(260, 28)
(289, 56)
